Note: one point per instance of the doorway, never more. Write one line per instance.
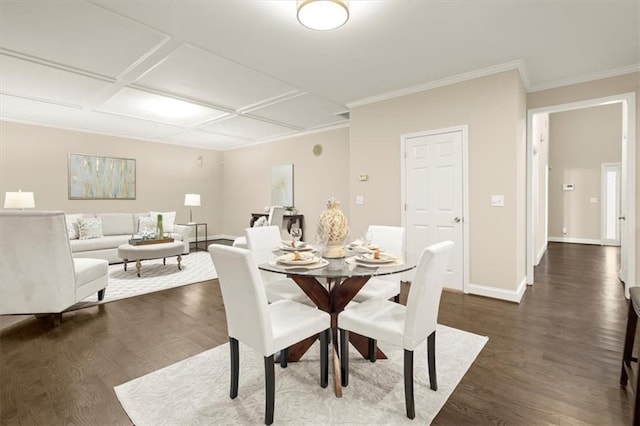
(627, 183)
(610, 226)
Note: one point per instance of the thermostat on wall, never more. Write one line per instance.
(568, 187)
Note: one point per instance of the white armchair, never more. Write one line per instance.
(37, 273)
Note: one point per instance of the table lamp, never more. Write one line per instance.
(19, 200)
(191, 200)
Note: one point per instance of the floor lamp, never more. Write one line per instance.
(191, 200)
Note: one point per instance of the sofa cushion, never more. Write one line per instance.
(136, 219)
(90, 228)
(108, 242)
(168, 219)
(116, 223)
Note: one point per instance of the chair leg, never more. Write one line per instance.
(408, 384)
(270, 388)
(627, 353)
(324, 358)
(344, 357)
(235, 367)
(284, 355)
(373, 348)
(431, 360)
(101, 294)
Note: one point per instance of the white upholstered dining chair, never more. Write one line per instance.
(391, 239)
(261, 241)
(38, 275)
(409, 326)
(267, 328)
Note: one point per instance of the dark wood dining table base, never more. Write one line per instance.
(332, 298)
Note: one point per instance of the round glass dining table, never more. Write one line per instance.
(331, 284)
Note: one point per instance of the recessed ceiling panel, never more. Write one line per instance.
(306, 111)
(247, 128)
(59, 116)
(77, 34)
(29, 79)
(194, 73)
(150, 106)
(206, 140)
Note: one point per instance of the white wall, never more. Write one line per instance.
(540, 141)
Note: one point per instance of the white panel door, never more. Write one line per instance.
(434, 197)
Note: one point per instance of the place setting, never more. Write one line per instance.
(299, 259)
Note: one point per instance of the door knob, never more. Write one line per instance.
(457, 219)
(622, 218)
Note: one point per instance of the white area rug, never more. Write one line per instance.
(195, 391)
(196, 267)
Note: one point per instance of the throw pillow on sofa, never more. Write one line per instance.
(168, 219)
(90, 228)
(72, 225)
(147, 226)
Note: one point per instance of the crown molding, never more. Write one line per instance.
(586, 77)
(483, 72)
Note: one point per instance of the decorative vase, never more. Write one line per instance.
(333, 229)
(159, 228)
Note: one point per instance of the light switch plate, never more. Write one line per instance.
(497, 200)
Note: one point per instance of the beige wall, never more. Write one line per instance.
(247, 177)
(579, 142)
(34, 158)
(494, 109)
(592, 90)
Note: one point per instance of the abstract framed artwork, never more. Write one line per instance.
(282, 185)
(92, 177)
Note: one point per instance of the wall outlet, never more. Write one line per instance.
(593, 200)
(359, 200)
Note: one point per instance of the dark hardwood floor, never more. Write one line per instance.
(553, 359)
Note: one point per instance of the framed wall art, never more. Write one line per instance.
(282, 185)
(92, 177)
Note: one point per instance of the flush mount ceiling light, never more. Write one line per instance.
(323, 14)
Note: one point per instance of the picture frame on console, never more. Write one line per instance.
(93, 177)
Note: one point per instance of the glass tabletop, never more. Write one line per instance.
(350, 266)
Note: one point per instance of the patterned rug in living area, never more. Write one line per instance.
(154, 276)
(195, 391)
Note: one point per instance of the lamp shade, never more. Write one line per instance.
(323, 14)
(19, 200)
(191, 199)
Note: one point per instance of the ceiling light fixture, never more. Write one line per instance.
(323, 15)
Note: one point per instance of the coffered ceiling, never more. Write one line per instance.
(222, 74)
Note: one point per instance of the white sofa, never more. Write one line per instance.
(117, 229)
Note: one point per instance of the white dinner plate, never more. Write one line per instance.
(305, 259)
(289, 248)
(368, 258)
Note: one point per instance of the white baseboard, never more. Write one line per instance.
(574, 240)
(543, 250)
(499, 293)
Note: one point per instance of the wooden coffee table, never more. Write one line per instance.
(129, 252)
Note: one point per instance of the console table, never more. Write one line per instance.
(288, 219)
(206, 234)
